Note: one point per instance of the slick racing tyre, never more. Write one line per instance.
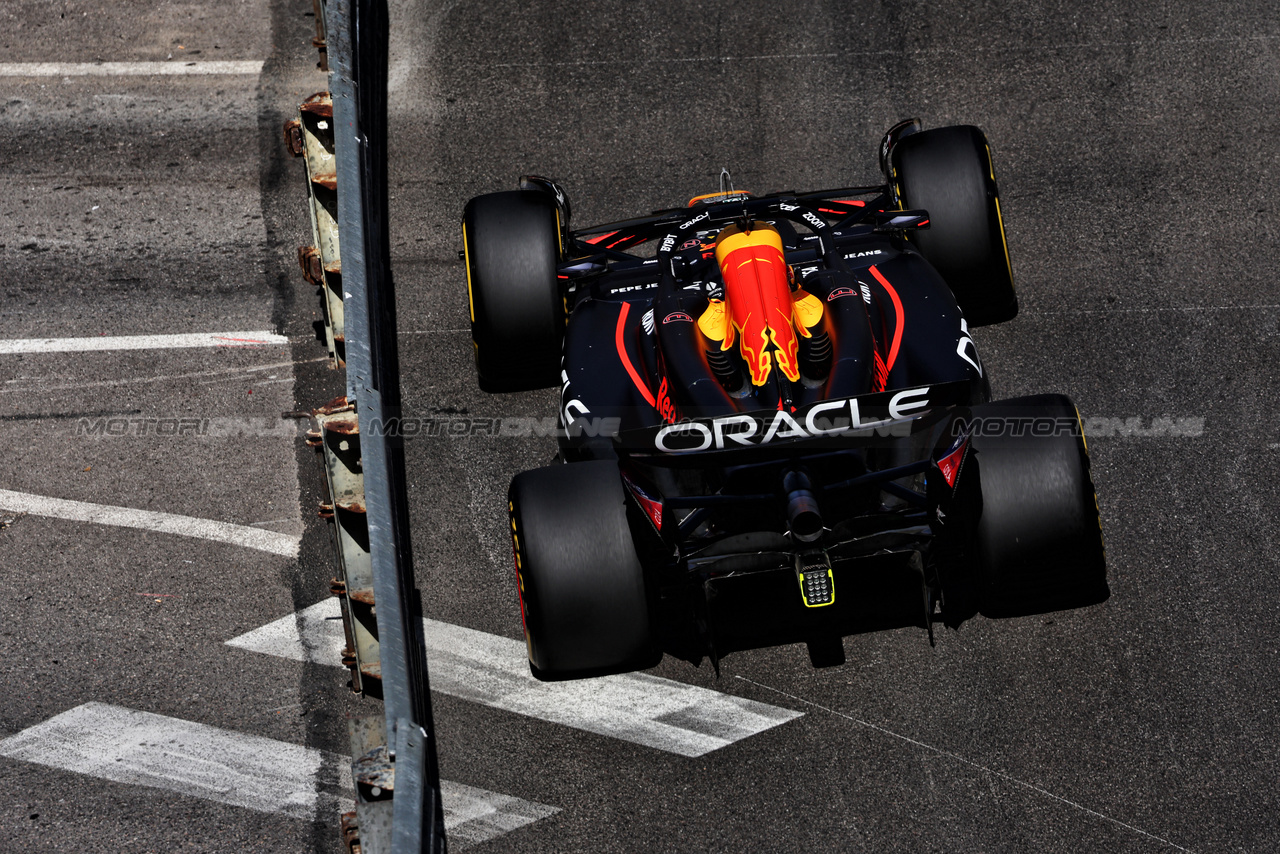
(582, 588)
(511, 243)
(1039, 538)
(947, 171)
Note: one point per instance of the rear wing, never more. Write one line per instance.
(840, 423)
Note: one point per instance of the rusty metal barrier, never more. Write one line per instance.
(341, 136)
(310, 137)
(336, 436)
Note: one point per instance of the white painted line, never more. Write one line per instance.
(129, 746)
(151, 520)
(222, 375)
(128, 69)
(262, 774)
(472, 815)
(141, 342)
(492, 670)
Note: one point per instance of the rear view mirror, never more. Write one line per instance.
(901, 220)
(580, 268)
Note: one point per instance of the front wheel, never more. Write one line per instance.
(1039, 536)
(582, 588)
(947, 171)
(511, 245)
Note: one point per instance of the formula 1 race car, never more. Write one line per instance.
(775, 425)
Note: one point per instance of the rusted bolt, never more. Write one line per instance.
(338, 587)
(326, 511)
(293, 138)
(309, 261)
(350, 832)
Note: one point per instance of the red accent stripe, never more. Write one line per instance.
(626, 361)
(897, 308)
(842, 211)
(879, 375)
(600, 237)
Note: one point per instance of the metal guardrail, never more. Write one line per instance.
(310, 137)
(342, 137)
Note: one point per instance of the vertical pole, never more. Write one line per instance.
(358, 33)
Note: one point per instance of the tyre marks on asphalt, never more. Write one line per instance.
(247, 536)
(494, 671)
(140, 748)
(1008, 778)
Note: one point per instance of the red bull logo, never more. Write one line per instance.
(758, 308)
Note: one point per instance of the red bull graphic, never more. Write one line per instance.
(759, 309)
(669, 411)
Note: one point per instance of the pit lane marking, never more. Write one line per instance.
(141, 342)
(958, 758)
(494, 671)
(262, 774)
(131, 69)
(285, 545)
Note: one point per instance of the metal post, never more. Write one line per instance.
(358, 45)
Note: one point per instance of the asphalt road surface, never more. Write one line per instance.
(1136, 153)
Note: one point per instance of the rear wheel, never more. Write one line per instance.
(947, 171)
(582, 587)
(1039, 538)
(512, 244)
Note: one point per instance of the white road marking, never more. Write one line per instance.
(129, 746)
(151, 520)
(262, 774)
(141, 342)
(492, 670)
(472, 815)
(224, 375)
(129, 69)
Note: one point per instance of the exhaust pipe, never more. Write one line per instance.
(803, 516)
